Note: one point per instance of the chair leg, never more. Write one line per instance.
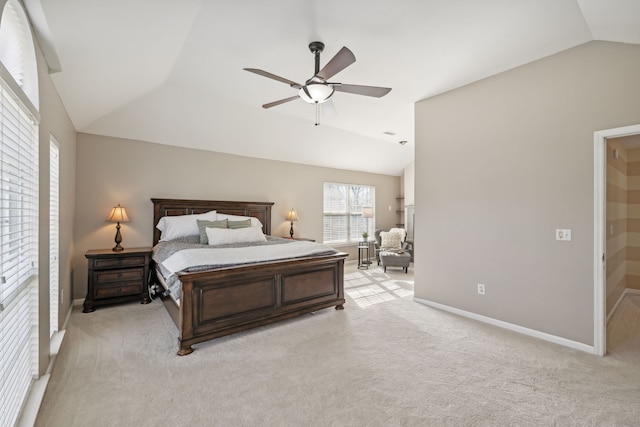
(385, 268)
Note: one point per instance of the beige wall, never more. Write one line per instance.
(501, 164)
(55, 121)
(617, 221)
(633, 218)
(409, 175)
(112, 171)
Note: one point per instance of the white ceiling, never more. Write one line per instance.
(170, 71)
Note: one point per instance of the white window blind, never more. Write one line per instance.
(54, 234)
(17, 52)
(342, 212)
(18, 254)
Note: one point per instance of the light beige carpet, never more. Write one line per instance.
(383, 361)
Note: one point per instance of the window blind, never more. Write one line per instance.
(18, 254)
(342, 212)
(54, 234)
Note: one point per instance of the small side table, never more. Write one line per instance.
(115, 277)
(364, 254)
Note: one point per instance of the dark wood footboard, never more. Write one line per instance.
(226, 301)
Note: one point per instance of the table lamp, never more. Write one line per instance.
(118, 214)
(367, 212)
(292, 216)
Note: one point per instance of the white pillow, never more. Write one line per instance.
(390, 240)
(224, 236)
(173, 227)
(255, 222)
(401, 231)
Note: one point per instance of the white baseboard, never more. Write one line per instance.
(615, 306)
(66, 319)
(78, 301)
(510, 326)
(626, 292)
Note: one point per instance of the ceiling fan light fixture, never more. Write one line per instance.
(316, 93)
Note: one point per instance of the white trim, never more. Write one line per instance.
(78, 301)
(31, 408)
(509, 326)
(66, 320)
(626, 292)
(599, 218)
(615, 306)
(36, 395)
(54, 347)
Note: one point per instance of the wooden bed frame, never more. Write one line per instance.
(227, 300)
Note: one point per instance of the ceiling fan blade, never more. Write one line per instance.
(339, 62)
(374, 91)
(274, 77)
(282, 101)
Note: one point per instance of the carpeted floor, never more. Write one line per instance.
(383, 361)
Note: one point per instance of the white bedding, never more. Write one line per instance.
(189, 258)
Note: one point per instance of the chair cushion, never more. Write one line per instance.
(395, 259)
(390, 240)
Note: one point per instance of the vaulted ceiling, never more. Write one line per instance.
(171, 72)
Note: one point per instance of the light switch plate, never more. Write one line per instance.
(563, 234)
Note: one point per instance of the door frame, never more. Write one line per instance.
(599, 227)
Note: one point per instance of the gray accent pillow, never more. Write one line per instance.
(202, 226)
(239, 224)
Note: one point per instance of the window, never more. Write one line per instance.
(343, 212)
(18, 213)
(18, 254)
(54, 234)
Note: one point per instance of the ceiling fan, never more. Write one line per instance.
(317, 89)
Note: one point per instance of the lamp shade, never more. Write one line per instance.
(292, 215)
(118, 214)
(367, 212)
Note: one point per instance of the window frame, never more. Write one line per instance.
(350, 208)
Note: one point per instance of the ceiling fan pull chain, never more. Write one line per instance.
(317, 117)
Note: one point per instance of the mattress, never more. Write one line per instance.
(187, 255)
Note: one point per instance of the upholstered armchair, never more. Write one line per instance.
(394, 239)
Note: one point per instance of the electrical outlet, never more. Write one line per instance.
(563, 234)
(480, 289)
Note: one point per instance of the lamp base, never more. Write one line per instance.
(291, 231)
(118, 239)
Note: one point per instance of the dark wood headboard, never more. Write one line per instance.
(174, 207)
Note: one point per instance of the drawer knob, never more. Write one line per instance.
(119, 275)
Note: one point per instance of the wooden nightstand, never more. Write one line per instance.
(116, 277)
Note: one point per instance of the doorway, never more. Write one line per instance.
(603, 229)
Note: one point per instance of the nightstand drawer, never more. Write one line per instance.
(118, 262)
(132, 288)
(125, 275)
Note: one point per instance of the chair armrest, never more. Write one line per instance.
(407, 246)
